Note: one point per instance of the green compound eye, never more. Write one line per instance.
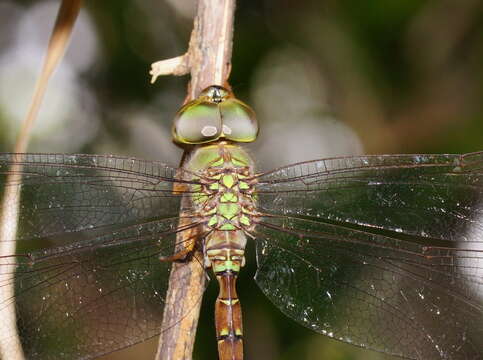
(239, 121)
(215, 114)
(197, 122)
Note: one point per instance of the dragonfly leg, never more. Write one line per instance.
(182, 255)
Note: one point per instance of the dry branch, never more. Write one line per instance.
(208, 60)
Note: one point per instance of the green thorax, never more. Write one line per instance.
(224, 199)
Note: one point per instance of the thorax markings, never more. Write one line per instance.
(225, 199)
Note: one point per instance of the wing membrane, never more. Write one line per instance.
(91, 298)
(387, 294)
(70, 193)
(384, 252)
(84, 277)
(439, 196)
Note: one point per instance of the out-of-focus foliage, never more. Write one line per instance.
(325, 78)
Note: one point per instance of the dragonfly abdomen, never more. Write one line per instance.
(226, 264)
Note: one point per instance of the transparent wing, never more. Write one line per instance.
(94, 297)
(379, 292)
(438, 196)
(69, 193)
(385, 252)
(83, 277)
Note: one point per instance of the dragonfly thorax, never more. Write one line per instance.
(223, 197)
(228, 200)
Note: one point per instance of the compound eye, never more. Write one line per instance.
(197, 122)
(239, 121)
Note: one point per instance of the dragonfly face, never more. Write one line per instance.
(383, 252)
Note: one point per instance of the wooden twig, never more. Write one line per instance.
(174, 66)
(12, 348)
(208, 60)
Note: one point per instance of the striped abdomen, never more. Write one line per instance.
(226, 263)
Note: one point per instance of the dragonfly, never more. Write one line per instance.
(384, 252)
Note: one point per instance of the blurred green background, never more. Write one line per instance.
(326, 78)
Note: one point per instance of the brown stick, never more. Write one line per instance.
(209, 61)
(209, 54)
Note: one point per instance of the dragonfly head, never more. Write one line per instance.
(216, 114)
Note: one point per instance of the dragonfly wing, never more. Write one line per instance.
(392, 295)
(62, 194)
(83, 273)
(93, 297)
(438, 196)
(385, 252)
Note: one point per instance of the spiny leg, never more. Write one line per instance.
(184, 254)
